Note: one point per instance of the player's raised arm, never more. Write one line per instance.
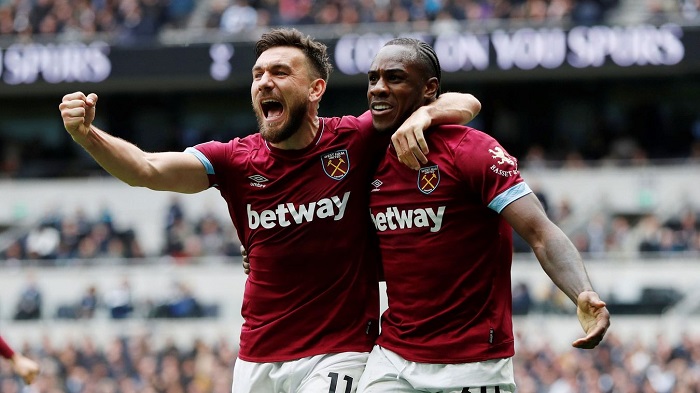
(167, 171)
(562, 263)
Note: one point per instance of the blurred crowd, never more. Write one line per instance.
(116, 302)
(79, 239)
(134, 20)
(615, 366)
(131, 364)
(72, 239)
(626, 236)
(126, 365)
(244, 15)
(126, 20)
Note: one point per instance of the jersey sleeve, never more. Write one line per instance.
(490, 171)
(365, 120)
(214, 156)
(5, 350)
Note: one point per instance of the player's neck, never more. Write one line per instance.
(303, 137)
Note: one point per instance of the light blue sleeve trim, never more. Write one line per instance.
(508, 196)
(202, 158)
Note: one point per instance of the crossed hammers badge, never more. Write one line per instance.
(336, 164)
(428, 179)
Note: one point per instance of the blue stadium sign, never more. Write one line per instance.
(530, 48)
(527, 53)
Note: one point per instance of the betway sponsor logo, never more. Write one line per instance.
(286, 214)
(393, 219)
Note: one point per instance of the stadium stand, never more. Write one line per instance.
(134, 365)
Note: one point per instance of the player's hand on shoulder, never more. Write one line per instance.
(78, 112)
(594, 318)
(409, 140)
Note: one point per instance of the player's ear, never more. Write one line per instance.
(316, 89)
(431, 88)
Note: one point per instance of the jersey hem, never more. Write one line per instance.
(500, 351)
(301, 355)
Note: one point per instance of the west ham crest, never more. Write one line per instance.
(428, 179)
(336, 164)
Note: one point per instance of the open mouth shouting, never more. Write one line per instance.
(272, 109)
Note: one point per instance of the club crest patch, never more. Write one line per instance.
(336, 164)
(428, 179)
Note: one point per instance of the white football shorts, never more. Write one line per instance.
(332, 373)
(387, 372)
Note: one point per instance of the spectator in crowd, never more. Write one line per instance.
(13, 254)
(42, 241)
(182, 303)
(179, 12)
(239, 17)
(618, 239)
(119, 300)
(88, 304)
(522, 299)
(30, 301)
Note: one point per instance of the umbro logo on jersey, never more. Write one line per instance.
(257, 181)
(376, 183)
(336, 164)
(428, 179)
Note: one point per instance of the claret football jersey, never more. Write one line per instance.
(446, 251)
(302, 216)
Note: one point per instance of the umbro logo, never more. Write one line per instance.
(376, 183)
(257, 181)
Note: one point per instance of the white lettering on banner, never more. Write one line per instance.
(74, 62)
(529, 48)
(354, 53)
(640, 45)
(286, 214)
(393, 219)
(462, 51)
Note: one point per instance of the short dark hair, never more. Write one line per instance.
(425, 56)
(315, 51)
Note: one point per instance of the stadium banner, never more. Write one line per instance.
(465, 56)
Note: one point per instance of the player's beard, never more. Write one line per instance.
(295, 117)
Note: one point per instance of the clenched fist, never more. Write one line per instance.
(78, 112)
